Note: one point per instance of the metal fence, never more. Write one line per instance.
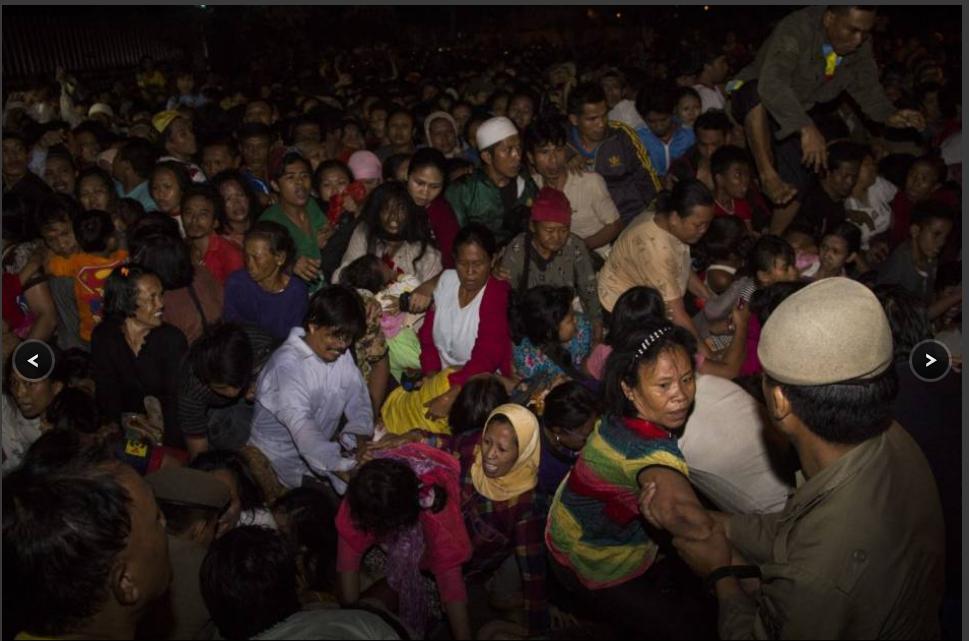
(35, 43)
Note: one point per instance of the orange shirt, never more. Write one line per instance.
(89, 271)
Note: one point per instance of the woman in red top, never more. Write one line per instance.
(407, 500)
(426, 181)
(200, 218)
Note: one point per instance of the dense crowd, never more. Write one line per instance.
(550, 350)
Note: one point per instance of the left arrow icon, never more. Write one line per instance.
(33, 360)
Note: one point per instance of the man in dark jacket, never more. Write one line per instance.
(611, 149)
(811, 57)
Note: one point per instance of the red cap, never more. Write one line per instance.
(551, 206)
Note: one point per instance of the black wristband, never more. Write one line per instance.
(738, 571)
(403, 303)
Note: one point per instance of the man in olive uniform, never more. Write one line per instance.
(858, 550)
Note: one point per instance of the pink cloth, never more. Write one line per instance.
(365, 165)
(751, 362)
(492, 349)
(596, 363)
(446, 543)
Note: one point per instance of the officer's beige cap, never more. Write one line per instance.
(186, 486)
(831, 331)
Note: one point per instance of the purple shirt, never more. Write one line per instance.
(247, 302)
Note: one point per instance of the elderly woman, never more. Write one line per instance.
(395, 230)
(265, 293)
(600, 546)
(135, 353)
(464, 335)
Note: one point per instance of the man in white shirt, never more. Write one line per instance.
(714, 73)
(308, 385)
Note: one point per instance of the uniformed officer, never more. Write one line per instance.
(858, 550)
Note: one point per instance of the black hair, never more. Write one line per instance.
(475, 402)
(153, 222)
(208, 192)
(475, 234)
(277, 237)
(248, 581)
(429, 157)
(685, 196)
(121, 291)
(289, 158)
(363, 273)
(384, 498)
(73, 408)
(93, 230)
(309, 518)
(851, 234)
(840, 153)
(13, 134)
(535, 314)
(223, 355)
(327, 165)
(251, 496)
(129, 211)
(569, 406)
(177, 169)
(416, 229)
(233, 175)
(682, 92)
(765, 252)
(66, 520)
(60, 152)
(56, 208)
(168, 257)
(928, 210)
(586, 93)
(656, 99)
(101, 175)
(627, 358)
(844, 413)
(725, 157)
(92, 127)
(725, 239)
(73, 365)
(254, 130)
(392, 164)
(907, 316)
(140, 154)
(339, 308)
(935, 163)
(765, 300)
(637, 307)
(549, 129)
(713, 120)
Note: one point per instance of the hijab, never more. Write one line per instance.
(523, 475)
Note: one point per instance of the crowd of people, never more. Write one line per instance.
(557, 352)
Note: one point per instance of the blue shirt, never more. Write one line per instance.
(300, 400)
(142, 194)
(663, 154)
(276, 314)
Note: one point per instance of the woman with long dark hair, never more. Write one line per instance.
(394, 229)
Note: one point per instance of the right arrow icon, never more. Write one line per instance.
(929, 361)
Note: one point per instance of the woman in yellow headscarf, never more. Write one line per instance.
(499, 468)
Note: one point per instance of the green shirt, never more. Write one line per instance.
(476, 199)
(306, 246)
